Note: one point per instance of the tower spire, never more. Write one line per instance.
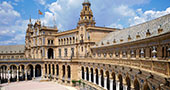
(86, 15)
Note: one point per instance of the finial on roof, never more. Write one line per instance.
(30, 19)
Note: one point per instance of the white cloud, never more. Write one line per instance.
(124, 10)
(7, 14)
(12, 28)
(42, 2)
(54, 7)
(114, 25)
(141, 16)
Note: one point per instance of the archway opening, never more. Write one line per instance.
(69, 72)
(50, 53)
(21, 73)
(49, 69)
(97, 76)
(57, 67)
(13, 72)
(82, 72)
(4, 74)
(87, 73)
(38, 70)
(92, 75)
(102, 78)
(136, 85)
(45, 70)
(114, 81)
(63, 71)
(108, 80)
(128, 83)
(30, 72)
(120, 82)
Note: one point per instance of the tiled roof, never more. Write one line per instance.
(12, 49)
(121, 36)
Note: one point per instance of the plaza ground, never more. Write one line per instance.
(35, 85)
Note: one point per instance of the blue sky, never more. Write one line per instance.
(15, 14)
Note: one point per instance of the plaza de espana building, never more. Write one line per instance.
(102, 58)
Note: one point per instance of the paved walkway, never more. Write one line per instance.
(34, 85)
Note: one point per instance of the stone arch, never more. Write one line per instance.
(63, 68)
(82, 72)
(49, 69)
(128, 83)
(4, 73)
(69, 71)
(67, 41)
(120, 82)
(97, 76)
(57, 67)
(50, 53)
(108, 79)
(64, 41)
(45, 70)
(136, 85)
(146, 86)
(102, 78)
(87, 73)
(92, 74)
(13, 72)
(21, 70)
(73, 39)
(30, 71)
(61, 41)
(70, 40)
(38, 70)
(114, 80)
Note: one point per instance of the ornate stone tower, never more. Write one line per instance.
(29, 33)
(86, 15)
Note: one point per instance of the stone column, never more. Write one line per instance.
(94, 78)
(105, 82)
(111, 84)
(85, 78)
(117, 85)
(33, 72)
(47, 71)
(9, 76)
(99, 79)
(42, 71)
(17, 75)
(55, 74)
(90, 77)
(25, 74)
(51, 65)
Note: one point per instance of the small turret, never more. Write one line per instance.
(86, 15)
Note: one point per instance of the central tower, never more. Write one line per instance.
(86, 15)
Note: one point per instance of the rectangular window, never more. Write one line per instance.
(43, 41)
(72, 52)
(65, 52)
(48, 42)
(59, 52)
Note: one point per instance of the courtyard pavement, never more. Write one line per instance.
(35, 85)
